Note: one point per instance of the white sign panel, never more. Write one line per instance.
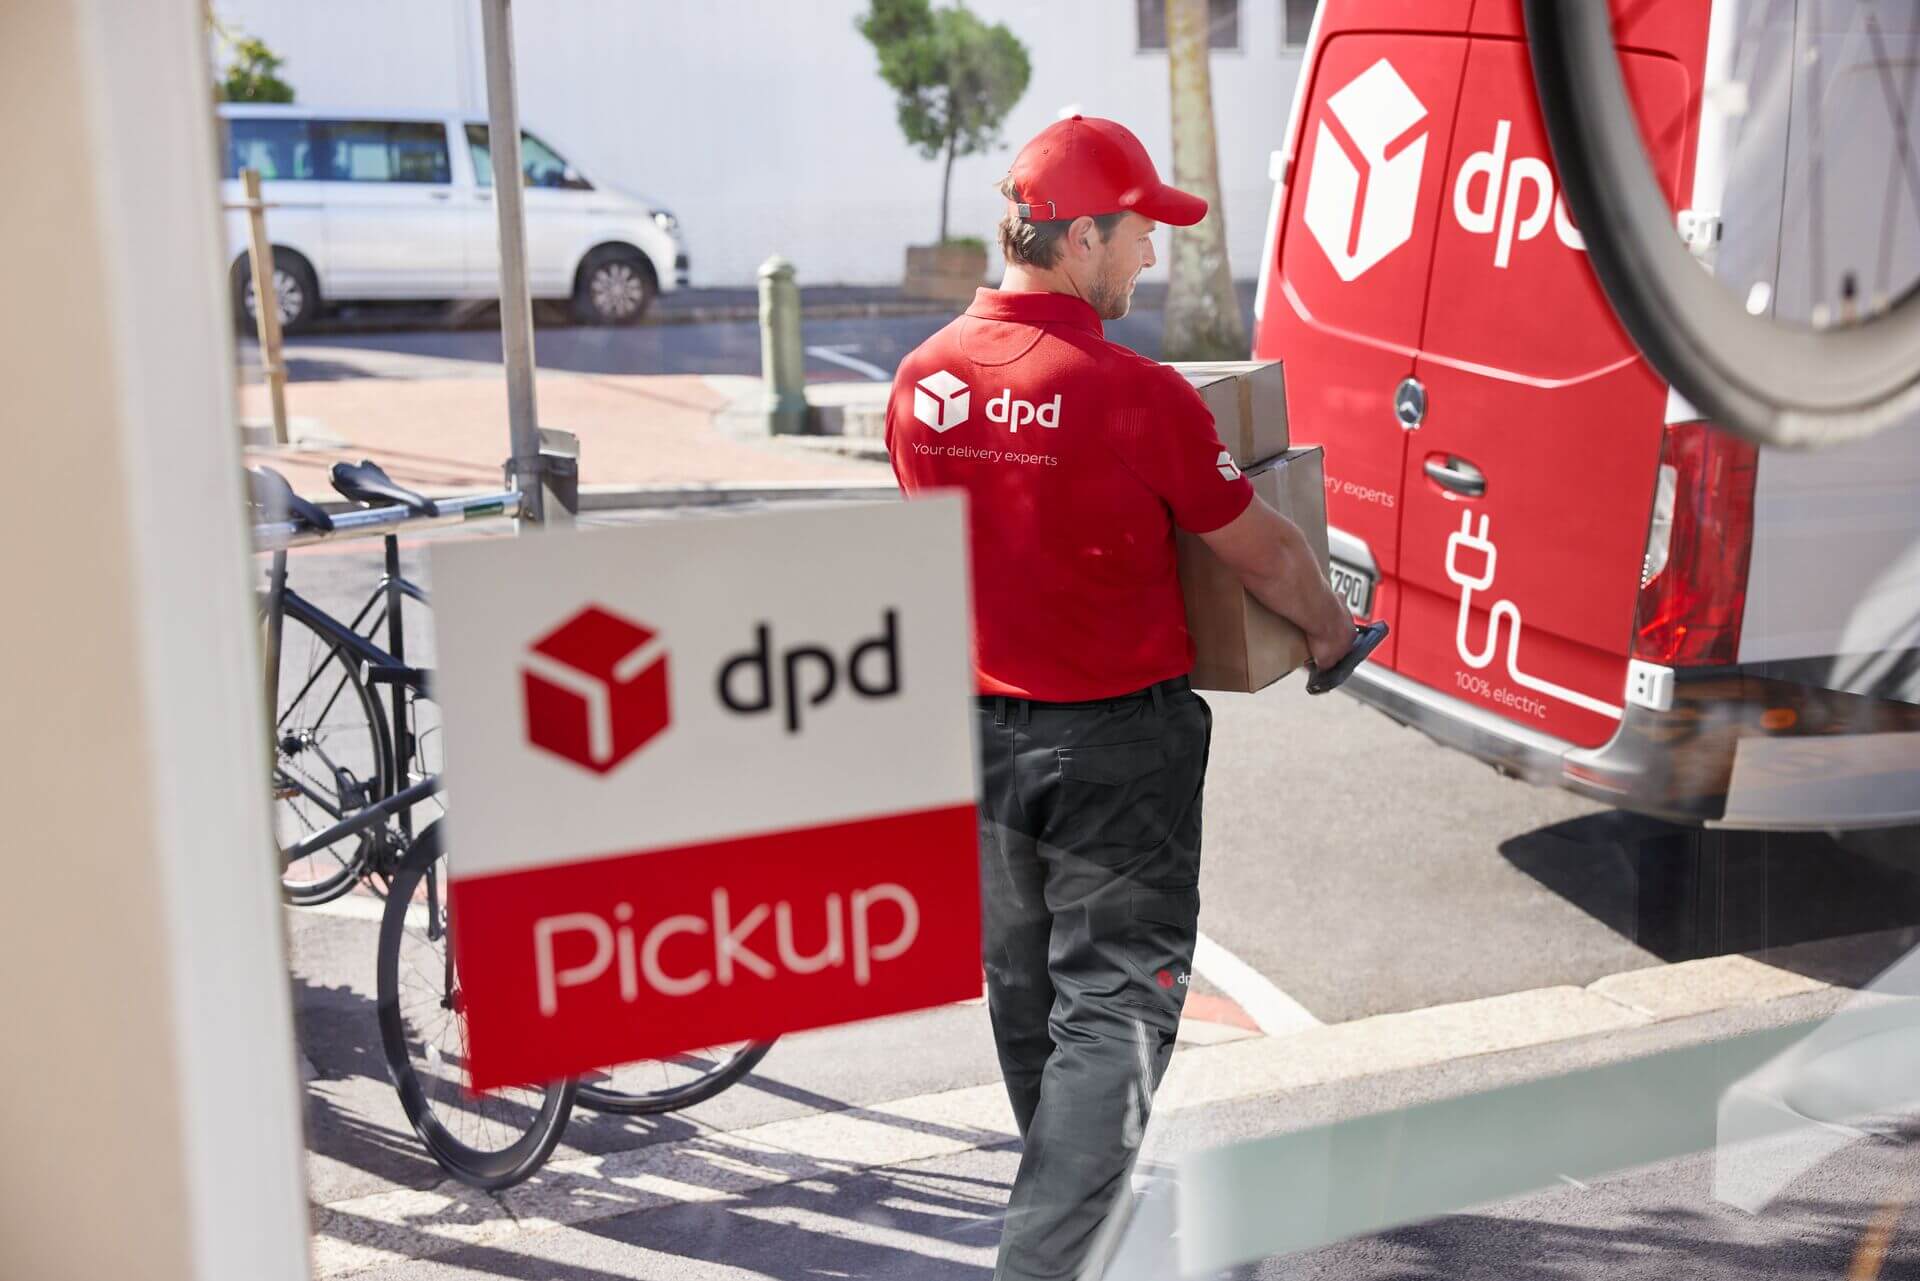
(708, 779)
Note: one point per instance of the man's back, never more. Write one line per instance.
(1078, 457)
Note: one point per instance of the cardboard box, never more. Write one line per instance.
(1239, 644)
(1249, 403)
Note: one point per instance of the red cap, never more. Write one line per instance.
(1084, 167)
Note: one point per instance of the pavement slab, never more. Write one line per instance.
(448, 434)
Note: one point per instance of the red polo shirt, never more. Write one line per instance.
(1078, 458)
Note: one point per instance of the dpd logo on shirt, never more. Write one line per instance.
(941, 401)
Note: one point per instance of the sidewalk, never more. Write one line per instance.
(915, 1185)
(450, 433)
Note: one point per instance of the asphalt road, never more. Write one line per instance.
(362, 351)
(1363, 870)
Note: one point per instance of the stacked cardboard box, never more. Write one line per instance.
(1239, 644)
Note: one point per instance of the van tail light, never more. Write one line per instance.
(1693, 583)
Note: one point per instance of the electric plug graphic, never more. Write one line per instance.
(1466, 537)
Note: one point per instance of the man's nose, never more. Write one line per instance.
(1151, 258)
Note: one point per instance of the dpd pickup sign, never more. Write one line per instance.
(708, 780)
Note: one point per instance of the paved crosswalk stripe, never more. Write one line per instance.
(1272, 1010)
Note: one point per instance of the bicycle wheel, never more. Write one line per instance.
(330, 760)
(491, 1140)
(667, 1085)
(1841, 360)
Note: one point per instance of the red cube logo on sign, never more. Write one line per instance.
(596, 689)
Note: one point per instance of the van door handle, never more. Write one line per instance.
(440, 195)
(1457, 474)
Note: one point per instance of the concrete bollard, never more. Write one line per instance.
(782, 359)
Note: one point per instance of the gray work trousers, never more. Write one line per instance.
(1090, 863)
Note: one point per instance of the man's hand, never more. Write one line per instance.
(1271, 556)
(1329, 650)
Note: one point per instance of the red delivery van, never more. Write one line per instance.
(1588, 586)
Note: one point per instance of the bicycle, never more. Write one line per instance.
(1850, 365)
(339, 756)
(371, 776)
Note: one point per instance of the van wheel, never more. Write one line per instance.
(615, 287)
(294, 288)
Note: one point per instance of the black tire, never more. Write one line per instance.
(432, 1089)
(614, 287)
(294, 284)
(487, 1141)
(330, 759)
(1771, 381)
(667, 1085)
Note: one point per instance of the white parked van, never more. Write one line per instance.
(390, 206)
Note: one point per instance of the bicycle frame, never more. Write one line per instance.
(382, 666)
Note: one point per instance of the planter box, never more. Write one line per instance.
(947, 273)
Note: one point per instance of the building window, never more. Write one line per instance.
(1223, 24)
(1296, 22)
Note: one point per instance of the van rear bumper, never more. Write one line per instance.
(1820, 760)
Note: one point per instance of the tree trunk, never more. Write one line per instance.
(1203, 312)
(946, 186)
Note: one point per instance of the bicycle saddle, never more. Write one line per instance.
(368, 484)
(268, 490)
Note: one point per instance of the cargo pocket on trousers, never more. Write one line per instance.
(1113, 800)
(1161, 930)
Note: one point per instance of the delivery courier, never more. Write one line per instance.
(1081, 460)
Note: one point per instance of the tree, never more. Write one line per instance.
(1203, 312)
(955, 76)
(252, 73)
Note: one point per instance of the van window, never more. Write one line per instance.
(382, 151)
(280, 149)
(541, 165)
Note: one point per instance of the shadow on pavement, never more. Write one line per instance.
(1683, 893)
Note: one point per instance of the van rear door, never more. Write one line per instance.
(1529, 482)
(1344, 298)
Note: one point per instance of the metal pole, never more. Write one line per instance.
(525, 467)
(266, 303)
(783, 361)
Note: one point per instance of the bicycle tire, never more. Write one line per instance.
(604, 1098)
(290, 743)
(1769, 382)
(438, 1102)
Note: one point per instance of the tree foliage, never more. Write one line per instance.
(955, 77)
(253, 70)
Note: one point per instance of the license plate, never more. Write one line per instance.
(1354, 586)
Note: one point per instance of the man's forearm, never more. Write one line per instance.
(1291, 585)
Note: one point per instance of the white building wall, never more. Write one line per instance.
(764, 123)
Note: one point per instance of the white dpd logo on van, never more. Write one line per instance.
(940, 401)
(1364, 189)
(1500, 214)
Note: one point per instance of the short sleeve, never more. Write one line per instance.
(1169, 441)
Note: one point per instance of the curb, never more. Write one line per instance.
(605, 498)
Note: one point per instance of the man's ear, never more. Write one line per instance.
(1080, 235)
